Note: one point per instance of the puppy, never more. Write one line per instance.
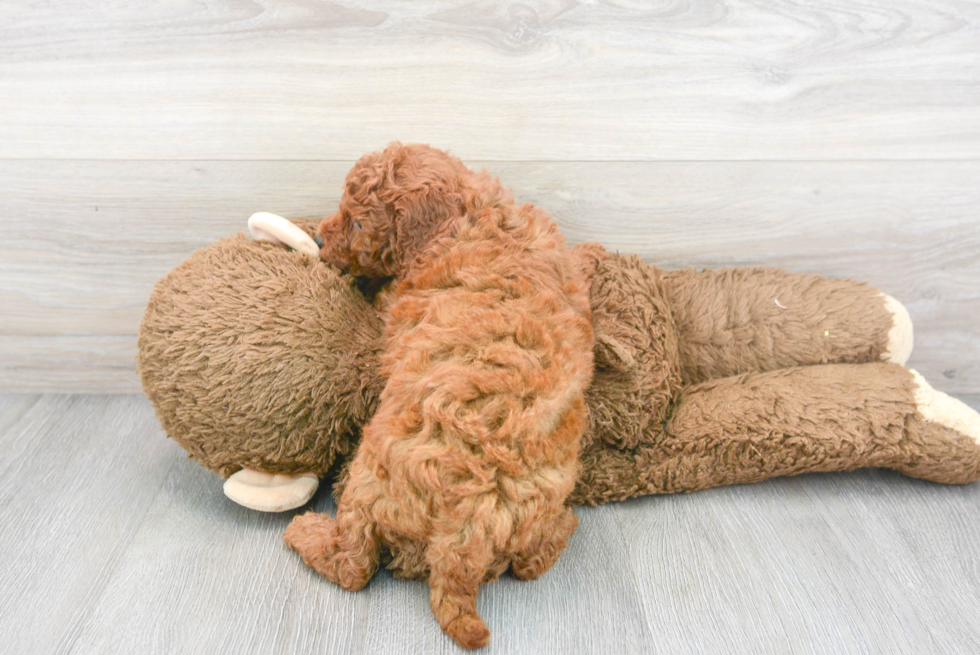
(474, 446)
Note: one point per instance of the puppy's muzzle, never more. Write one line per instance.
(318, 240)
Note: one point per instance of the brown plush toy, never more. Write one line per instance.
(262, 362)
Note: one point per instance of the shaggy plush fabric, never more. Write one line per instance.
(755, 426)
(736, 320)
(297, 403)
(204, 318)
(238, 379)
(237, 385)
(474, 447)
(259, 357)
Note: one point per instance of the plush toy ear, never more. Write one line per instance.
(269, 227)
(612, 353)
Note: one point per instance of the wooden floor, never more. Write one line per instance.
(114, 542)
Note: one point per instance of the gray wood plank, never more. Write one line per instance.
(139, 551)
(814, 564)
(542, 79)
(587, 603)
(924, 537)
(204, 575)
(12, 409)
(86, 240)
(77, 475)
(68, 363)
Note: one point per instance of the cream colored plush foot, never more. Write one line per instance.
(937, 407)
(900, 335)
(268, 492)
(264, 226)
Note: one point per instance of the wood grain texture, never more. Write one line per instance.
(223, 581)
(789, 566)
(536, 80)
(86, 240)
(587, 603)
(77, 475)
(113, 542)
(68, 363)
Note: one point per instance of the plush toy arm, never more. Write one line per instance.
(755, 426)
(732, 321)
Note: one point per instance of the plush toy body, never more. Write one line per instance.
(264, 363)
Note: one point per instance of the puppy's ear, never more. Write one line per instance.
(425, 195)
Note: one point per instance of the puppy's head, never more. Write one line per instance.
(396, 203)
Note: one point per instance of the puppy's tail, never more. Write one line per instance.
(458, 561)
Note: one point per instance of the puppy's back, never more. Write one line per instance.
(489, 354)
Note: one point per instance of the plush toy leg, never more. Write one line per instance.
(898, 347)
(733, 321)
(271, 492)
(755, 426)
(940, 422)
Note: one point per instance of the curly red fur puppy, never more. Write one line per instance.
(474, 447)
(397, 203)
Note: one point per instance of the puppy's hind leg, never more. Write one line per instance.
(546, 545)
(345, 551)
(458, 563)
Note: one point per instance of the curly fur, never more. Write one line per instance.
(474, 448)
(396, 203)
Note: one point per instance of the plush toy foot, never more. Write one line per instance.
(936, 407)
(268, 492)
(900, 335)
(269, 227)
